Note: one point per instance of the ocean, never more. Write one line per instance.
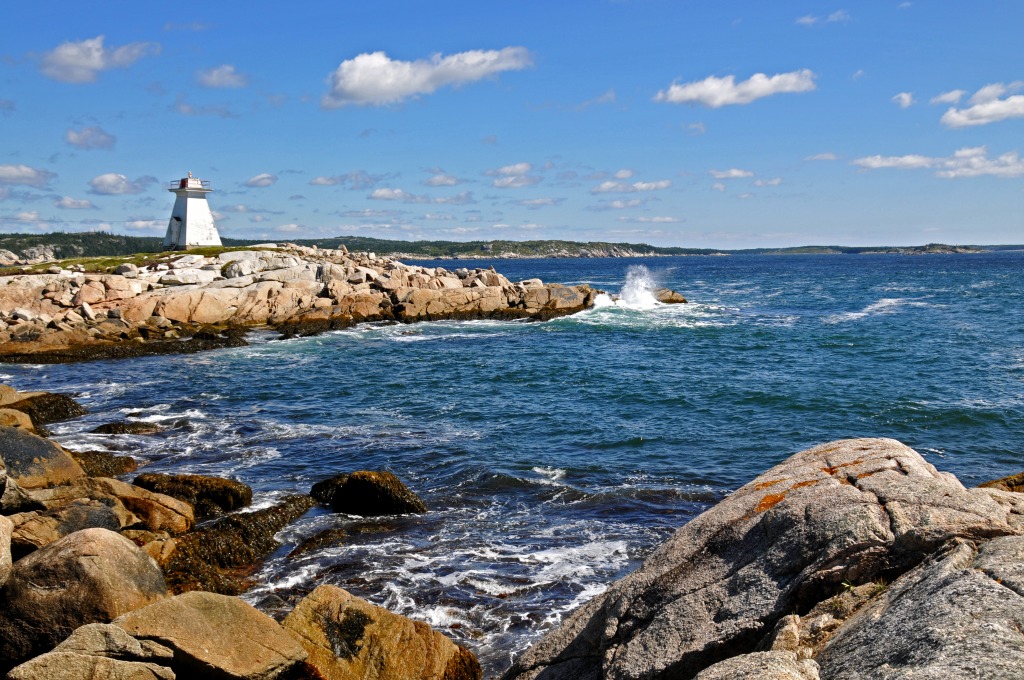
(555, 456)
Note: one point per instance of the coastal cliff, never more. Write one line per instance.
(156, 305)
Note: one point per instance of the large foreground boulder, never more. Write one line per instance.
(368, 493)
(347, 637)
(89, 576)
(216, 636)
(848, 512)
(100, 651)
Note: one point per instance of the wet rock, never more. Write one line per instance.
(1013, 483)
(49, 408)
(10, 417)
(214, 636)
(210, 496)
(668, 296)
(347, 637)
(34, 462)
(202, 559)
(957, 615)
(103, 464)
(325, 539)
(90, 576)
(126, 427)
(851, 511)
(368, 493)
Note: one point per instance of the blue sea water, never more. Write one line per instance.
(554, 456)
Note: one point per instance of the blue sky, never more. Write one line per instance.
(734, 124)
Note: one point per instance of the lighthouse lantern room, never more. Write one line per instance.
(191, 224)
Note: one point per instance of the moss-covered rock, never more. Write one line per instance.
(126, 427)
(49, 408)
(210, 496)
(368, 493)
(103, 464)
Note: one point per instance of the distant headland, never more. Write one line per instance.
(18, 250)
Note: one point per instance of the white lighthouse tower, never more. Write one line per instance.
(191, 224)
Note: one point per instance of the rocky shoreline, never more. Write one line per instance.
(178, 302)
(853, 559)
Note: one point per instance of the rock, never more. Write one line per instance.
(6, 528)
(202, 559)
(347, 637)
(127, 270)
(668, 296)
(368, 493)
(34, 462)
(100, 651)
(210, 496)
(216, 636)
(124, 427)
(845, 511)
(47, 408)
(957, 615)
(762, 666)
(10, 417)
(103, 464)
(33, 530)
(90, 576)
(1013, 483)
(323, 539)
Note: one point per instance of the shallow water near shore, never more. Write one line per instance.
(555, 456)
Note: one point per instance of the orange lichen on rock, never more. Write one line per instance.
(769, 501)
(834, 469)
(800, 485)
(765, 485)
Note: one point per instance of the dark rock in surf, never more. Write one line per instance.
(126, 427)
(324, 539)
(48, 408)
(210, 496)
(103, 464)
(368, 493)
(1013, 483)
(210, 557)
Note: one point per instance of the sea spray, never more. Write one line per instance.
(637, 291)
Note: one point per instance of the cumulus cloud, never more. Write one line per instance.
(731, 173)
(618, 187)
(374, 79)
(81, 62)
(441, 179)
(115, 184)
(904, 100)
(837, 17)
(718, 186)
(264, 179)
(660, 219)
(987, 105)
(461, 198)
(966, 162)
(25, 175)
(68, 203)
(27, 216)
(223, 76)
(715, 92)
(827, 156)
(145, 225)
(539, 202)
(513, 176)
(90, 138)
(389, 194)
(768, 182)
(290, 228)
(951, 97)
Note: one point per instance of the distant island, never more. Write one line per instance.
(23, 249)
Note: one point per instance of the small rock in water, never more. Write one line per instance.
(668, 296)
(124, 427)
(210, 496)
(368, 493)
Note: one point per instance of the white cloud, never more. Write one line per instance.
(437, 217)
(987, 107)
(145, 225)
(90, 138)
(264, 179)
(539, 202)
(838, 17)
(441, 179)
(808, 20)
(607, 97)
(514, 169)
(609, 187)
(25, 175)
(966, 162)
(716, 92)
(68, 203)
(222, 76)
(625, 173)
(662, 219)
(697, 128)
(904, 100)
(375, 79)
(731, 173)
(80, 62)
(513, 176)
(768, 182)
(951, 97)
(184, 108)
(718, 186)
(115, 184)
(461, 198)
(358, 180)
(290, 228)
(389, 194)
(27, 216)
(827, 156)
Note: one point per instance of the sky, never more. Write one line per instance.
(673, 123)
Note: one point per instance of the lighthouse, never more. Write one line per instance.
(191, 224)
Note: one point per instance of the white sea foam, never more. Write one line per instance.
(552, 474)
(882, 306)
